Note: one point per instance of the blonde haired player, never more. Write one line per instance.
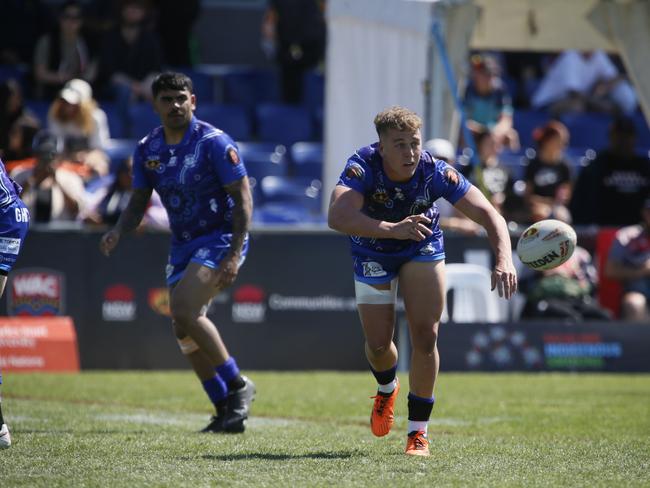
(385, 201)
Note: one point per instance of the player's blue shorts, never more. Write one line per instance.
(374, 269)
(14, 223)
(207, 250)
(640, 286)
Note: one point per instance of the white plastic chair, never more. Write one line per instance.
(472, 299)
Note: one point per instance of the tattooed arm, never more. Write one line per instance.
(129, 219)
(240, 192)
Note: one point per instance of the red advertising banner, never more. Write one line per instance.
(38, 344)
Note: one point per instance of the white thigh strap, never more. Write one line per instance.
(368, 294)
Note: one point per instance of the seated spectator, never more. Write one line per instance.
(587, 81)
(51, 192)
(105, 205)
(563, 293)
(629, 262)
(611, 190)
(75, 117)
(131, 57)
(62, 54)
(450, 218)
(17, 124)
(488, 104)
(548, 175)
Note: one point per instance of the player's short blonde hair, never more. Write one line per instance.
(397, 117)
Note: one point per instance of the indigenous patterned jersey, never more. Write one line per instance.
(9, 189)
(394, 201)
(190, 178)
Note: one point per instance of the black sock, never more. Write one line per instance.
(384, 377)
(236, 383)
(419, 408)
(2, 420)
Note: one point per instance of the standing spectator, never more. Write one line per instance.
(629, 262)
(175, 21)
(63, 54)
(611, 190)
(75, 117)
(587, 81)
(488, 104)
(548, 175)
(17, 124)
(50, 192)
(296, 32)
(131, 57)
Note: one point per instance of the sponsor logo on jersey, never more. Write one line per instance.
(372, 269)
(158, 299)
(37, 292)
(248, 304)
(9, 245)
(354, 170)
(451, 175)
(381, 196)
(548, 258)
(153, 163)
(232, 155)
(119, 303)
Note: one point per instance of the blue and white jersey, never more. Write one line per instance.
(190, 178)
(9, 189)
(394, 201)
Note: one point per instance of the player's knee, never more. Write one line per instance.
(424, 339)
(633, 306)
(378, 348)
(182, 314)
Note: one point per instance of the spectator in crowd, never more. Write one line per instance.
(488, 104)
(62, 54)
(131, 57)
(22, 22)
(175, 21)
(548, 174)
(17, 124)
(611, 190)
(566, 292)
(489, 175)
(587, 81)
(50, 192)
(629, 262)
(295, 33)
(450, 218)
(105, 205)
(76, 118)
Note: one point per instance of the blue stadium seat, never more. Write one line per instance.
(232, 119)
(118, 150)
(284, 124)
(116, 124)
(642, 130)
(264, 159)
(319, 121)
(525, 122)
(281, 213)
(250, 87)
(142, 119)
(300, 192)
(588, 129)
(313, 89)
(203, 85)
(307, 159)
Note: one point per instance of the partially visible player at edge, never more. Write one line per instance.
(385, 201)
(14, 223)
(202, 182)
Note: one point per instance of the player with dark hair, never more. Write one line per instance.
(198, 173)
(14, 223)
(385, 201)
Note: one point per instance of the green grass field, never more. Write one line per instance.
(311, 429)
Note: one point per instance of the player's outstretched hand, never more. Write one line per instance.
(109, 241)
(504, 279)
(413, 227)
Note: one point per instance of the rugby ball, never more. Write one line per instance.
(546, 244)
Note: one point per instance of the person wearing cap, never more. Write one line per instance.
(51, 192)
(629, 262)
(76, 118)
(488, 104)
(611, 190)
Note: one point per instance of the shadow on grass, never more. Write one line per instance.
(279, 456)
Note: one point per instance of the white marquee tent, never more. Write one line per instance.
(381, 53)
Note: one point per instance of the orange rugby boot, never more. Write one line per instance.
(417, 444)
(382, 416)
